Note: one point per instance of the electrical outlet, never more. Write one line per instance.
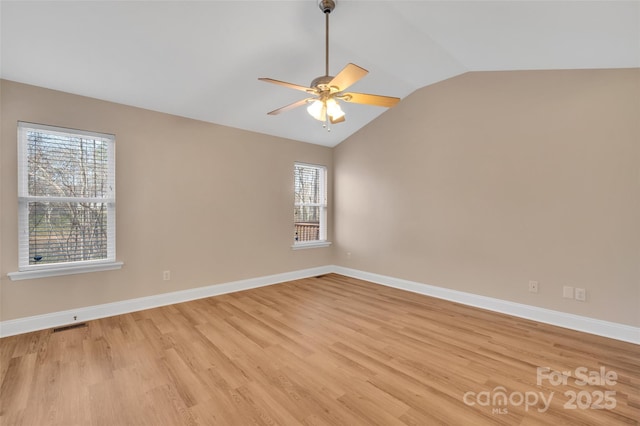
(166, 275)
(567, 292)
(533, 286)
(581, 294)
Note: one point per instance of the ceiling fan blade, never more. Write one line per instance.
(349, 75)
(289, 107)
(289, 85)
(364, 98)
(337, 120)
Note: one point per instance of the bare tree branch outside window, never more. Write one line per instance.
(68, 191)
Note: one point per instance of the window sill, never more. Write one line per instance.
(310, 244)
(68, 270)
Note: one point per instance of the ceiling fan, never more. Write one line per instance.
(328, 90)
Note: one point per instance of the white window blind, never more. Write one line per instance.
(66, 197)
(310, 210)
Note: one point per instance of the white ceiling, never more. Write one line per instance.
(202, 59)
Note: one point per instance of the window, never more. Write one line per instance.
(310, 210)
(66, 201)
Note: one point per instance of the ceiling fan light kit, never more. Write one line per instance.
(327, 89)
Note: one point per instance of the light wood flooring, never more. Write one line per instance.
(320, 351)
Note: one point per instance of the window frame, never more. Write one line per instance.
(323, 205)
(27, 270)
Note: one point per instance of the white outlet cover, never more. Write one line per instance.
(581, 294)
(567, 292)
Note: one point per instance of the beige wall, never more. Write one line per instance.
(488, 180)
(479, 183)
(209, 203)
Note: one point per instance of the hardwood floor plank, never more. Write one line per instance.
(329, 350)
(17, 384)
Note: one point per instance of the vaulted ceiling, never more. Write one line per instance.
(202, 59)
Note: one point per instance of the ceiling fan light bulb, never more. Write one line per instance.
(317, 110)
(334, 110)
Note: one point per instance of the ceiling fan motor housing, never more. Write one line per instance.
(322, 83)
(327, 6)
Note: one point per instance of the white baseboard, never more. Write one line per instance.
(612, 330)
(62, 318)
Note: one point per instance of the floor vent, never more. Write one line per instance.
(321, 276)
(70, 327)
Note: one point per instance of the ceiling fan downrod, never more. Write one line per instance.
(327, 7)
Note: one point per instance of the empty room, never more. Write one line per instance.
(317, 212)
